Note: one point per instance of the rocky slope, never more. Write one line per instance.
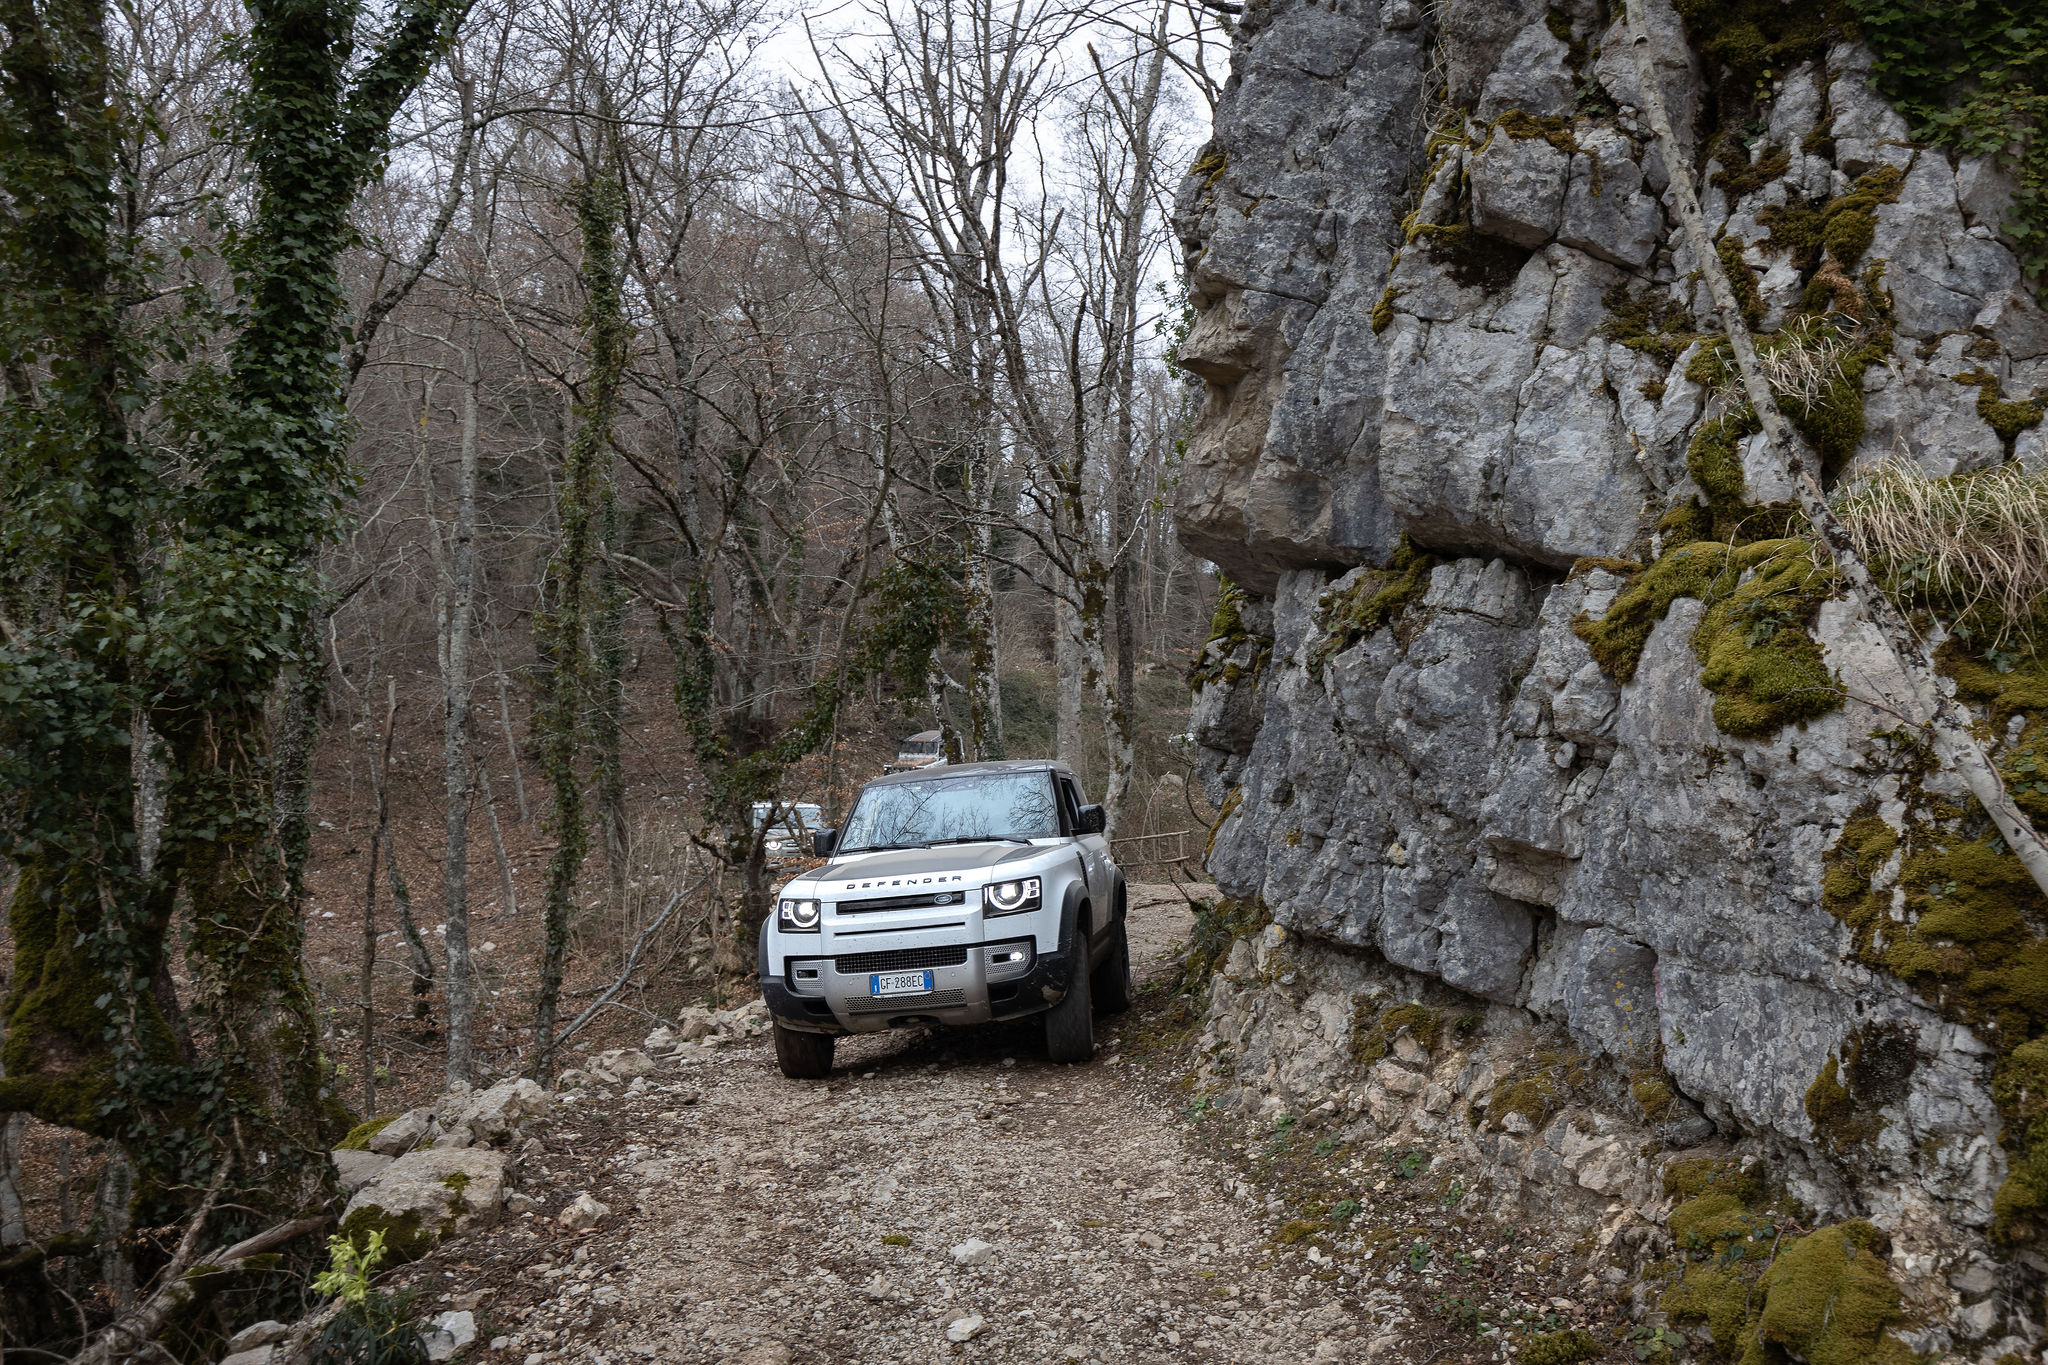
(1519, 713)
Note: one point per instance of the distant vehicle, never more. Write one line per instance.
(959, 895)
(790, 836)
(925, 749)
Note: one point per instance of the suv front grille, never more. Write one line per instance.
(901, 959)
(924, 899)
(905, 1004)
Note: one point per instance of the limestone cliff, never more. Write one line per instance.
(1462, 400)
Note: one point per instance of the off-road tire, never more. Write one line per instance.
(1111, 981)
(803, 1056)
(1070, 1025)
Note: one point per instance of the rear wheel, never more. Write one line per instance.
(1111, 982)
(803, 1056)
(1070, 1025)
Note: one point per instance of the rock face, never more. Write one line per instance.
(1465, 330)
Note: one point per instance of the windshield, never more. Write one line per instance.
(982, 806)
(800, 818)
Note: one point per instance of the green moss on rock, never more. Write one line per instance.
(1383, 311)
(1828, 1298)
(1653, 1095)
(1842, 229)
(1216, 660)
(1740, 174)
(1378, 598)
(1845, 1101)
(1649, 322)
(1218, 924)
(1558, 132)
(2007, 418)
(1691, 1177)
(1714, 459)
(1472, 260)
(1749, 297)
(1539, 1091)
(1939, 902)
(1756, 40)
(358, 1139)
(1825, 1298)
(1756, 653)
(1562, 1348)
(1373, 1031)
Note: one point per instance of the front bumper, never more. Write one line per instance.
(977, 991)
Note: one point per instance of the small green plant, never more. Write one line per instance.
(1410, 1163)
(1200, 1106)
(350, 1268)
(1325, 1145)
(373, 1328)
(1465, 1314)
(1655, 1343)
(1343, 1210)
(1418, 1256)
(1453, 1196)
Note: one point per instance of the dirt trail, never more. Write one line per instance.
(758, 1220)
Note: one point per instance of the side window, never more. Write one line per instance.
(1070, 817)
(1070, 797)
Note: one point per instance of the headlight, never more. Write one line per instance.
(797, 917)
(1009, 898)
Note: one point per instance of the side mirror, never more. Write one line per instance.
(1091, 820)
(823, 842)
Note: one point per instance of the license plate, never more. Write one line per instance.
(899, 983)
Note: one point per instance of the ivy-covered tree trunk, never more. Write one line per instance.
(206, 637)
(609, 714)
(86, 1046)
(315, 114)
(568, 676)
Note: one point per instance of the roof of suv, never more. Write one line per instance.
(1005, 765)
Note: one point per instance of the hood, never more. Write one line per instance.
(977, 859)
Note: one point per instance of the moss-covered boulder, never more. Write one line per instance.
(423, 1197)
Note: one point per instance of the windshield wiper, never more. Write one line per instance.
(934, 843)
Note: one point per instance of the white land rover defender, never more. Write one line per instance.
(953, 895)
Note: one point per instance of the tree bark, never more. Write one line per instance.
(511, 743)
(455, 717)
(367, 977)
(1067, 719)
(505, 881)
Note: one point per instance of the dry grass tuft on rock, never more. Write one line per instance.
(1973, 546)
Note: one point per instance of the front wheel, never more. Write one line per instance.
(803, 1056)
(1070, 1025)
(1111, 984)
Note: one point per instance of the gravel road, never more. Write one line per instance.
(942, 1196)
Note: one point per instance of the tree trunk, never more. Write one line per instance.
(1066, 640)
(421, 960)
(367, 978)
(1947, 720)
(607, 719)
(505, 881)
(567, 674)
(511, 743)
(455, 721)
